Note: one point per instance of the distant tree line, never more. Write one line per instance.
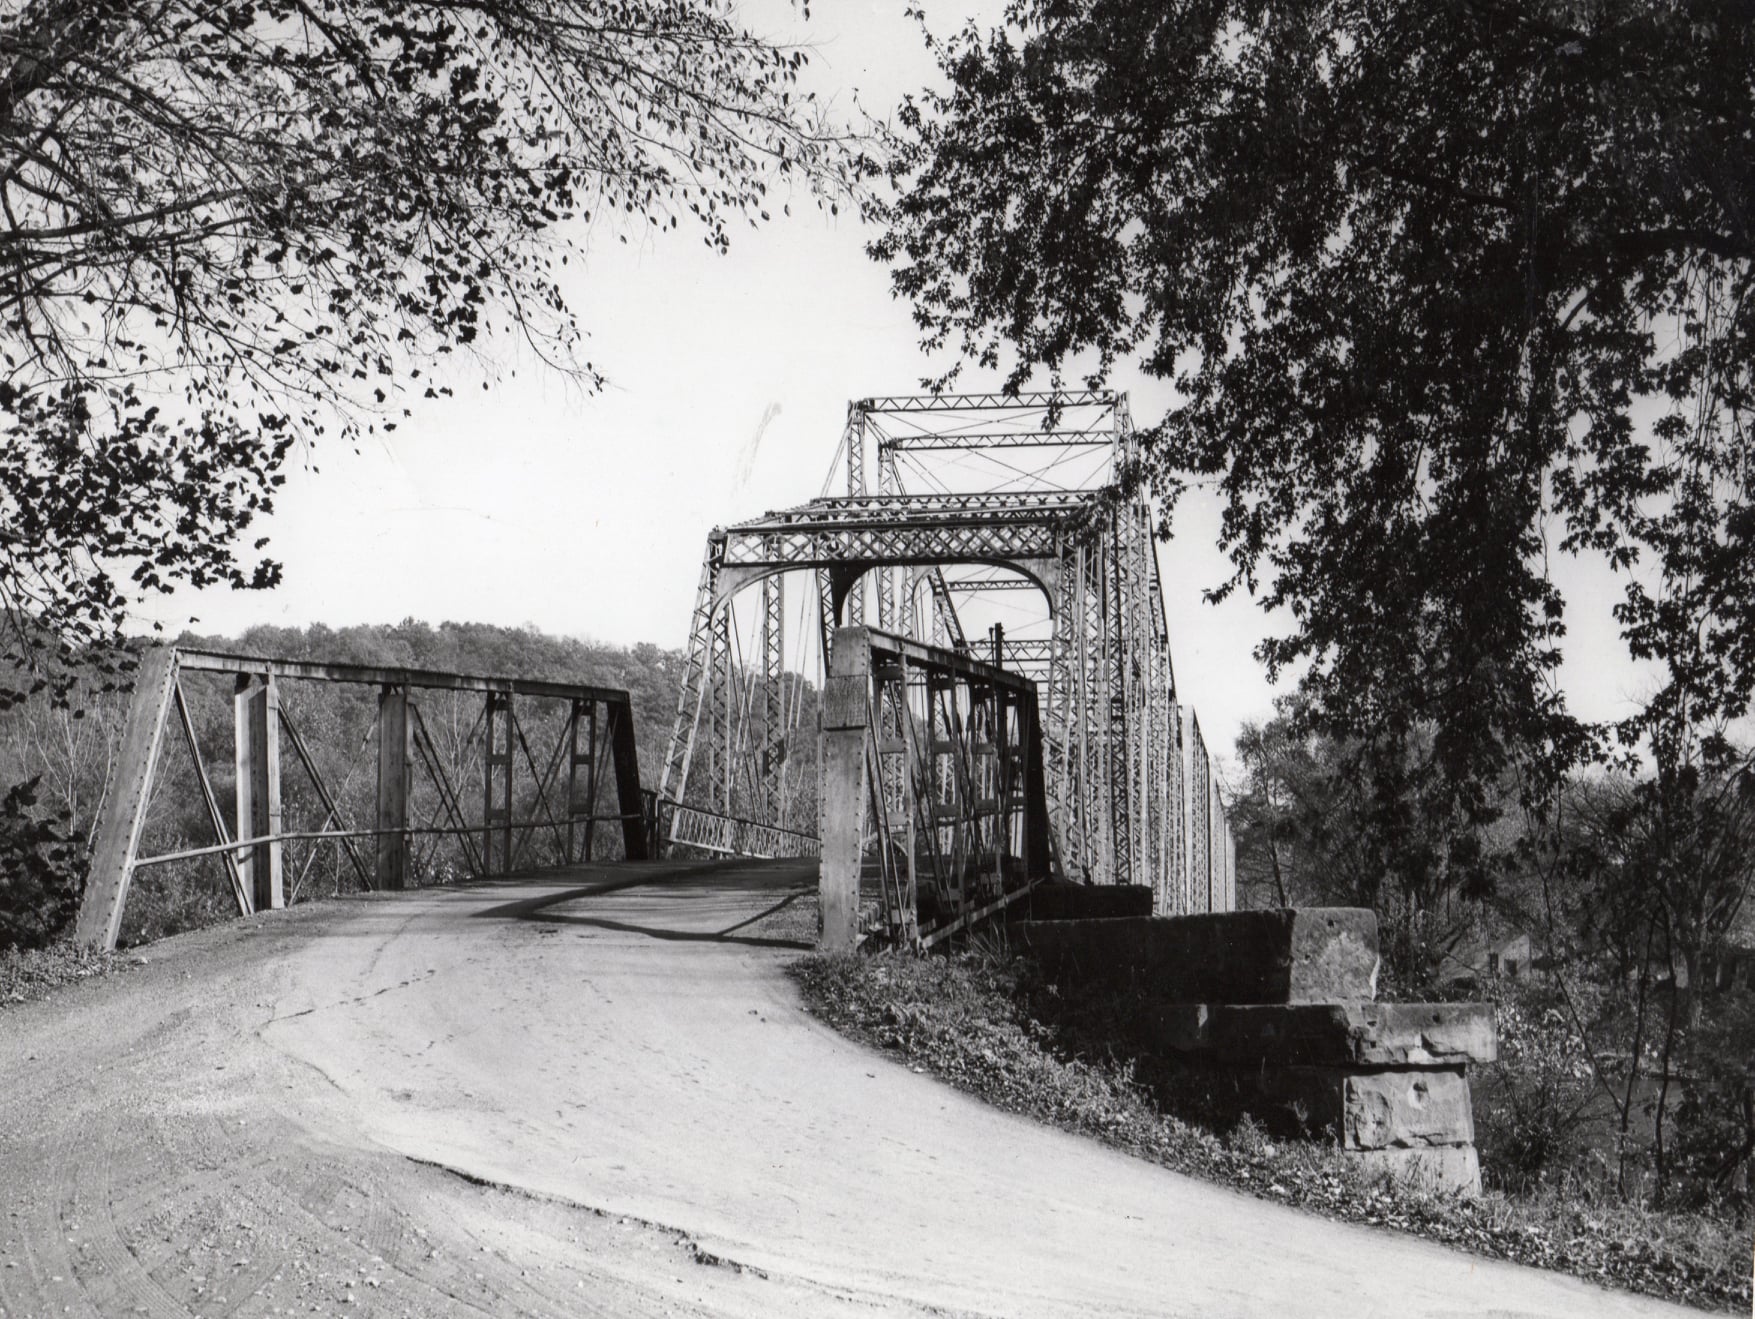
(57, 755)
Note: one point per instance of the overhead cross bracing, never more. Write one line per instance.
(998, 526)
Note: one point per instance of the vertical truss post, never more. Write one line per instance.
(890, 577)
(722, 698)
(1116, 636)
(256, 709)
(498, 738)
(1185, 807)
(117, 839)
(1060, 741)
(1161, 780)
(1216, 847)
(826, 615)
(1079, 826)
(697, 676)
(1200, 833)
(1230, 865)
(393, 777)
(1028, 752)
(1100, 786)
(1143, 704)
(896, 785)
(855, 442)
(773, 744)
(583, 715)
(1139, 669)
(1171, 824)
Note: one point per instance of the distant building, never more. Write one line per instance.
(1509, 955)
(1733, 965)
(1511, 958)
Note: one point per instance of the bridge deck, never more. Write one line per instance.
(297, 1108)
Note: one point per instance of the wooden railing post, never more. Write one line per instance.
(496, 812)
(844, 788)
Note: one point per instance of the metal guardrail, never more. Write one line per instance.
(932, 776)
(729, 835)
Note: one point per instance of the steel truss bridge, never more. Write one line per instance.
(994, 706)
(952, 505)
(546, 761)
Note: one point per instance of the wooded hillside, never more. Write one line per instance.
(55, 761)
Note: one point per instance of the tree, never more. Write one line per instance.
(1317, 825)
(230, 227)
(1444, 288)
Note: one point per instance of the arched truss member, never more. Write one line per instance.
(992, 517)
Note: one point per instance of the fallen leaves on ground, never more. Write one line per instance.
(965, 1018)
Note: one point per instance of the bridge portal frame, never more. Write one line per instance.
(1114, 774)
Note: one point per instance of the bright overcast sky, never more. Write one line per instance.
(729, 378)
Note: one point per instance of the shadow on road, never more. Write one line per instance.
(693, 889)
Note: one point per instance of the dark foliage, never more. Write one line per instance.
(1625, 1062)
(231, 227)
(40, 878)
(1444, 288)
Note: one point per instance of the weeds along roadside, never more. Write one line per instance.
(981, 1020)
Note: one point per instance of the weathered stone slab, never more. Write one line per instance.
(1085, 902)
(1426, 1107)
(1288, 955)
(1436, 1167)
(1408, 1107)
(1181, 1027)
(1359, 1034)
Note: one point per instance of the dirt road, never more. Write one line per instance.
(595, 1096)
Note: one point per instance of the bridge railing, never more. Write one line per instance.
(542, 773)
(732, 835)
(932, 786)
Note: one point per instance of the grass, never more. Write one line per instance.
(982, 1021)
(34, 973)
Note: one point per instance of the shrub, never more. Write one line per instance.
(40, 881)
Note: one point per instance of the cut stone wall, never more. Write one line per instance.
(1082, 902)
(1277, 1010)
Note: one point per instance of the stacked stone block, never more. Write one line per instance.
(1278, 1009)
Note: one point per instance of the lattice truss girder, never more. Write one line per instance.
(1121, 798)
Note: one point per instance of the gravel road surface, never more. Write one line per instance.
(597, 1094)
